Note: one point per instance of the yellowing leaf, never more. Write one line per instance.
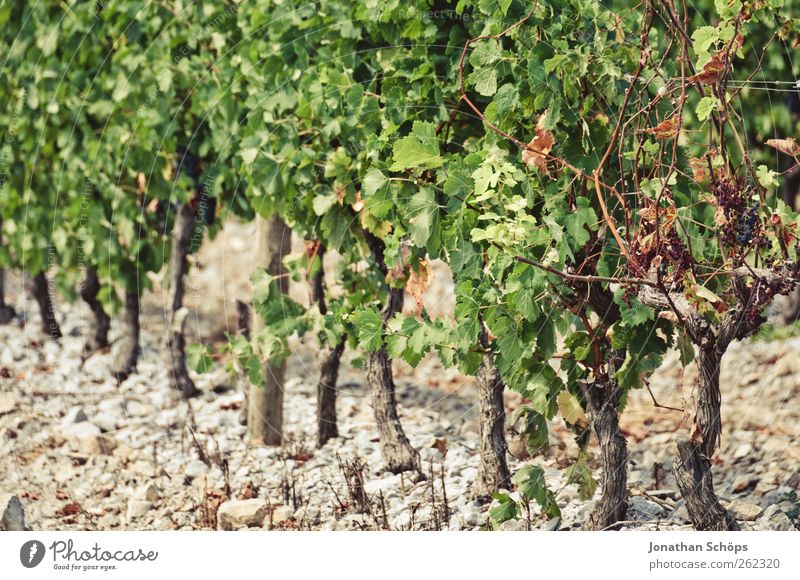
(379, 228)
(571, 409)
(249, 155)
(706, 294)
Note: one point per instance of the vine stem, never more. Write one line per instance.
(580, 277)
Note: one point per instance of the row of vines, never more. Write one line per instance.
(603, 180)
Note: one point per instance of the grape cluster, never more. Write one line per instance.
(678, 254)
(748, 224)
(629, 293)
(676, 259)
(752, 315)
(743, 225)
(730, 194)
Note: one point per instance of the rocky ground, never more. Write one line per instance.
(80, 452)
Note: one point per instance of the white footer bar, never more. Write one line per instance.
(389, 556)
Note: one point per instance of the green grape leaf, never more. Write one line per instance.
(420, 149)
(369, 326)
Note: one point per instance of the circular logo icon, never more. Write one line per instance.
(31, 553)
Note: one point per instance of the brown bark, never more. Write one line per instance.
(709, 399)
(177, 352)
(493, 472)
(693, 462)
(7, 312)
(329, 371)
(396, 450)
(395, 447)
(243, 319)
(181, 237)
(243, 327)
(90, 287)
(265, 404)
(602, 399)
(693, 474)
(326, 395)
(41, 292)
(791, 185)
(179, 265)
(128, 352)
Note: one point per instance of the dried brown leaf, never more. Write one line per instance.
(666, 129)
(711, 71)
(441, 446)
(418, 281)
(699, 169)
(539, 147)
(70, 509)
(788, 146)
(141, 183)
(359, 204)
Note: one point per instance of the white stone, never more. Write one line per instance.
(137, 508)
(384, 484)
(743, 451)
(237, 514)
(641, 509)
(474, 516)
(775, 520)
(513, 526)
(552, 525)
(97, 367)
(7, 403)
(745, 511)
(195, 469)
(87, 438)
(430, 454)
(148, 492)
(75, 415)
(282, 513)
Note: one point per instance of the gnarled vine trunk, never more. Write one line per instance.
(791, 308)
(243, 328)
(7, 312)
(396, 449)
(326, 395)
(179, 265)
(493, 472)
(602, 399)
(693, 461)
(128, 352)
(177, 352)
(90, 288)
(44, 298)
(329, 371)
(693, 474)
(265, 404)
